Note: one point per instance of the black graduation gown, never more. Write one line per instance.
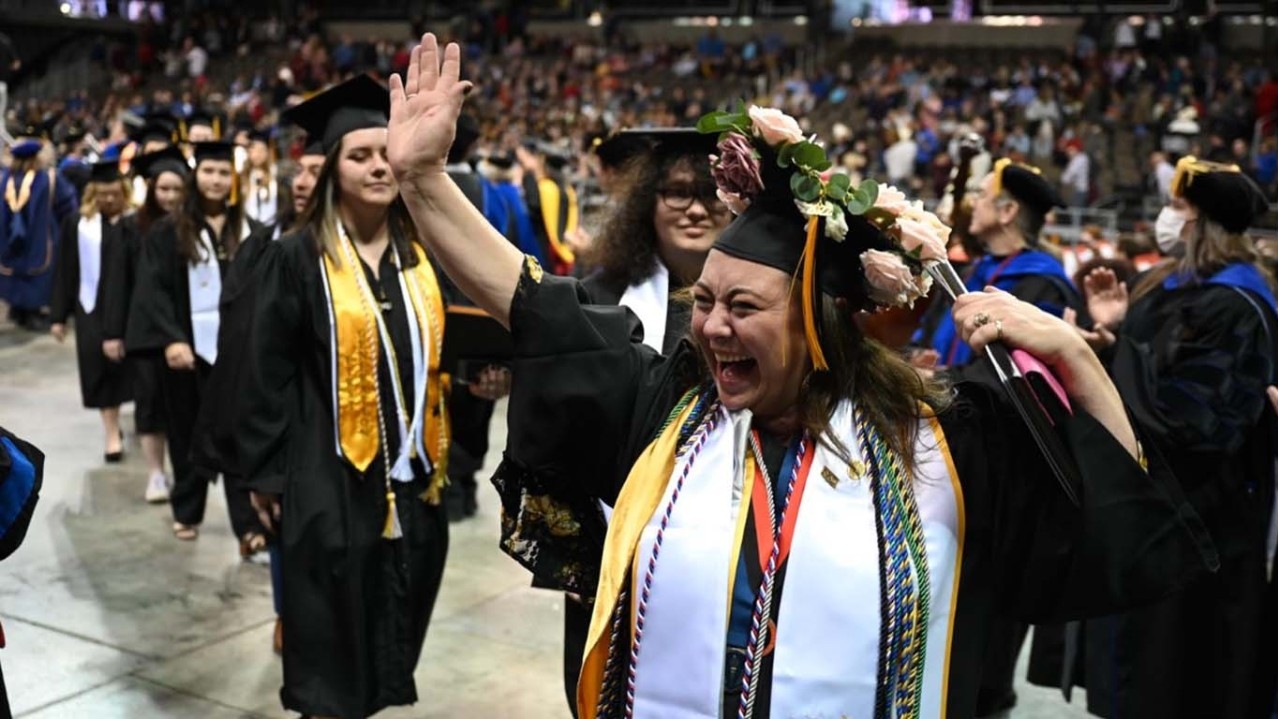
(160, 315)
(356, 606)
(103, 383)
(678, 314)
(1193, 365)
(1029, 553)
(121, 265)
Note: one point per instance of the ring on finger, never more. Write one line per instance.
(998, 328)
(981, 319)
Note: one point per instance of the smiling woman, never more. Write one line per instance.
(795, 533)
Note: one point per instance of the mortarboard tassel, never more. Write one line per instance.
(809, 297)
(392, 530)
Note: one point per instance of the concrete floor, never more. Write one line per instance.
(107, 616)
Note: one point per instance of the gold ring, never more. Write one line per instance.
(998, 326)
(981, 319)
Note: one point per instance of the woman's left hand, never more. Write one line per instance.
(994, 315)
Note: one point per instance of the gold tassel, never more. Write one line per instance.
(392, 530)
(809, 295)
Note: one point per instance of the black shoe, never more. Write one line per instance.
(470, 507)
(116, 457)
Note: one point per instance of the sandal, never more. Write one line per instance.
(185, 532)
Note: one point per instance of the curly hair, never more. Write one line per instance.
(626, 250)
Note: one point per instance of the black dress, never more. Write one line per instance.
(103, 383)
(120, 272)
(161, 316)
(587, 399)
(356, 606)
(1193, 365)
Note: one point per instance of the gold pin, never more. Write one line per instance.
(856, 470)
(830, 478)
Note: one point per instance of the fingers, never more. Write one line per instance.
(1272, 392)
(412, 78)
(397, 94)
(428, 66)
(1070, 317)
(450, 73)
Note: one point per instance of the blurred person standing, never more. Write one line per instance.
(1076, 180)
(79, 287)
(37, 200)
(9, 66)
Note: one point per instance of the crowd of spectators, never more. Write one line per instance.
(1105, 115)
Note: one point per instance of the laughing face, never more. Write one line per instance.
(750, 331)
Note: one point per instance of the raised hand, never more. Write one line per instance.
(1106, 298)
(1097, 338)
(423, 111)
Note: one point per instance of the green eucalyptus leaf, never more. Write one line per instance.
(857, 203)
(808, 155)
(840, 181)
(786, 156)
(710, 123)
(806, 187)
(870, 189)
(836, 191)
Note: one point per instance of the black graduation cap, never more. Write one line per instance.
(29, 139)
(357, 104)
(215, 150)
(312, 147)
(74, 134)
(467, 134)
(206, 118)
(170, 159)
(501, 160)
(668, 141)
(1026, 184)
(472, 341)
(1221, 192)
(104, 171)
(772, 232)
(156, 127)
(613, 151)
(263, 136)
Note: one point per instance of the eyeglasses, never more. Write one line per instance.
(680, 197)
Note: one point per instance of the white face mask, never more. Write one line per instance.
(1167, 228)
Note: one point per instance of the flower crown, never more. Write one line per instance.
(893, 278)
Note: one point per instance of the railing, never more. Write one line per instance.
(1069, 223)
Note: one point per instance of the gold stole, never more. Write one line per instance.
(635, 505)
(18, 200)
(357, 349)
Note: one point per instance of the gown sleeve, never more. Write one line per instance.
(1200, 386)
(581, 381)
(66, 203)
(155, 324)
(1133, 538)
(63, 298)
(271, 368)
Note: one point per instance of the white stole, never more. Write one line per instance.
(89, 248)
(263, 205)
(650, 301)
(827, 635)
(204, 288)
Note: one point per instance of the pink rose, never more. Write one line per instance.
(736, 169)
(916, 212)
(774, 126)
(734, 202)
(890, 281)
(891, 199)
(920, 240)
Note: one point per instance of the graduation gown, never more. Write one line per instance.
(1193, 364)
(1027, 553)
(356, 606)
(120, 272)
(30, 226)
(161, 315)
(103, 383)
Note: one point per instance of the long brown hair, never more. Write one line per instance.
(150, 211)
(626, 250)
(189, 223)
(1209, 250)
(321, 216)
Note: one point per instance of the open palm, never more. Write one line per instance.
(423, 110)
(1106, 298)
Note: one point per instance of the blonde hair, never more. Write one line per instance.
(1209, 249)
(89, 202)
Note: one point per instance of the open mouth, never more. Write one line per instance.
(734, 372)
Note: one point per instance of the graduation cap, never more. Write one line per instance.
(28, 141)
(467, 134)
(153, 164)
(312, 147)
(501, 160)
(214, 150)
(1026, 184)
(357, 104)
(108, 171)
(156, 127)
(671, 141)
(1221, 192)
(262, 136)
(615, 150)
(200, 117)
(74, 134)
